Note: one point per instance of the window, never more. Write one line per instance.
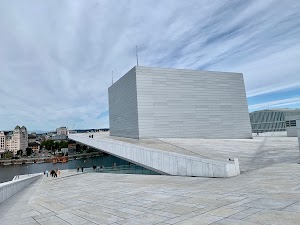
(290, 123)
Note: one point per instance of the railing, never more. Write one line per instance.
(7, 189)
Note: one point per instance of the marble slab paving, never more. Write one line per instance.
(265, 196)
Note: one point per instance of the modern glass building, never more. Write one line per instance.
(274, 120)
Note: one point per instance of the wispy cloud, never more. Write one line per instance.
(56, 57)
(277, 103)
(273, 88)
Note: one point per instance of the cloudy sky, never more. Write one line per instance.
(56, 56)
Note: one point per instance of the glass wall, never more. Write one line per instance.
(107, 164)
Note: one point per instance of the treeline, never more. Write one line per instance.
(54, 145)
(51, 145)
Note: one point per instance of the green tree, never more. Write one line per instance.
(8, 155)
(20, 152)
(49, 144)
(63, 144)
(78, 148)
(56, 145)
(90, 150)
(28, 151)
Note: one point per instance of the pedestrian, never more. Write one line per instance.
(101, 168)
(77, 169)
(47, 173)
(58, 172)
(82, 169)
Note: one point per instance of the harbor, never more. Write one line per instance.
(9, 171)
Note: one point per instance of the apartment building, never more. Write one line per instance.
(14, 141)
(2, 142)
(62, 131)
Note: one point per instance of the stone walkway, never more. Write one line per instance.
(270, 195)
(252, 153)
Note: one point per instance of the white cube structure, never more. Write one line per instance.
(177, 103)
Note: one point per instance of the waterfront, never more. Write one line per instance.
(8, 172)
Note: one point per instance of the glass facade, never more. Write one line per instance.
(267, 121)
(272, 120)
(108, 164)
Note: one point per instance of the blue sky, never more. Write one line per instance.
(56, 56)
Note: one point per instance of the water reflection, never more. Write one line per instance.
(108, 161)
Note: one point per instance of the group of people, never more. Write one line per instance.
(79, 168)
(53, 173)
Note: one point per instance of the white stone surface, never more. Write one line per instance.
(174, 103)
(265, 196)
(272, 134)
(164, 162)
(252, 153)
(8, 189)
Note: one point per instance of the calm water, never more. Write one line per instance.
(7, 173)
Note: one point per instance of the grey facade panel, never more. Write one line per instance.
(191, 104)
(176, 103)
(291, 119)
(123, 114)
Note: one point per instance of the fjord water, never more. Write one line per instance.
(7, 173)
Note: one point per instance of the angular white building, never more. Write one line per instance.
(175, 103)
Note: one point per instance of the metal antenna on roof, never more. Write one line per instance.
(137, 58)
(112, 77)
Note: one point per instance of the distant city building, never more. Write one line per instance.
(19, 139)
(34, 146)
(62, 131)
(32, 138)
(59, 137)
(72, 131)
(177, 103)
(3, 146)
(275, 120)
(71, 147)
(14, 141)
(64, 150)
(88, 130)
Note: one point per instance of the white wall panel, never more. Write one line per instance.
(176, 103)
(123, 114)
(171, 103)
